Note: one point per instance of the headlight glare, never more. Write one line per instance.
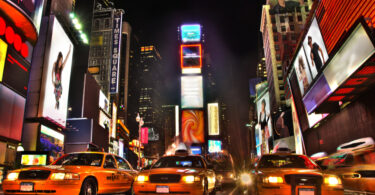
(12, 176)
(245, 179)
(58, 176)
(273, 180)
(332, 180)
(142, 178)
(188, 179)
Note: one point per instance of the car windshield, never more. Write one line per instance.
(286, 161)
(179, 161)
(82, 159)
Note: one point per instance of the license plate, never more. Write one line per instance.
(27, 187)
(306, 191)
(162, 189)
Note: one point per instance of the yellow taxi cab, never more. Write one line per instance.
(177, 174)
(287, 173)
(355, 167)
(86, 173)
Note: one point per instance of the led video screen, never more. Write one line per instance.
(191, 92)
(214, 146)
(190, 33)
(51, 141)
(191, 56)
(192, 126)
(56, 75)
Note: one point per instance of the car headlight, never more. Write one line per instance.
(245, 179)
(332, 180)
(190, 178)
(219, 177)
(65, 176)
(230, 175)
(273, 180)
(12, 176)
(142, 178)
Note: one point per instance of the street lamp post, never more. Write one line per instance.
(140, 124)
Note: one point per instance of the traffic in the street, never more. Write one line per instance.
(255, 97)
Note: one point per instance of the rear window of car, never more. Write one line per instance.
(81, 159)
(179, 161)
(286, 161)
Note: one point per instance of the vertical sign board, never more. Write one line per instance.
(114, 75)
(213, 119)
(144, 135)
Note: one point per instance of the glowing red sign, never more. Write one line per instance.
(144, 135)
(13, 38)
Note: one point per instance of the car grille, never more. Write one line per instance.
(34, 174)
(304, 180)
(367, 174)
(165, 178)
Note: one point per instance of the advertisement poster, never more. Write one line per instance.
(191, 92)
(213, 119)
(152, 135)
(56, 79)
(103, 102)
(33, 159)
(190, 33)
(214, 146)
(315, 49)
(192, 126)
(264, 117)
(104, 120)
(302, 70)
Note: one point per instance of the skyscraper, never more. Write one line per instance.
(281, 24)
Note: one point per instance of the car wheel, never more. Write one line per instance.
(131, 191)
(89, 187)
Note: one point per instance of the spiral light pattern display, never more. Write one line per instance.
(192, 126)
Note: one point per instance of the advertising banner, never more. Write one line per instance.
(191, 92)
(303, 71)
(192, 126)
(56, 75)
(285, 6)
(264, 115)
(115, 61)
(213, 118)
(196, 150)
(114, 120)
(190, 33)
(144, 135)
(214, 146)
(34, 159)
(315, 49)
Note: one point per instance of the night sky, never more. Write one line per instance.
(232, 33)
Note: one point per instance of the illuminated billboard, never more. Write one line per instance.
(104, 120)
(296, 128)
(103, 102)
(56, 75)
(191, 56)
(115, 61)
(191, 92)
(34, 159)
(192, 126)
(196, 150)
(144, 135)
(264, 115)
(356, 49)
(3, 54)
(302, 70)
(190, 33)
(214, 146)
(213, 118)
(51, 141)
(316, 52)
(286, 6)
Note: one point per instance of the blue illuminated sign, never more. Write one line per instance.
(196, 150)
(191, 33)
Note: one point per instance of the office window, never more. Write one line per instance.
(277, 47)
(291, 27)
(282, 19)
(299, 18)
(274, 29)
(276, 38)
(283, 28)
(273, 20)
(285, 37)
(306, 8)
(291, 18)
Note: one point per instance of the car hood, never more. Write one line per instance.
(181, 171)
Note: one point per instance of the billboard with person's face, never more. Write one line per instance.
(302, 71)
(315, 49)
(264, 115)
(56, 75)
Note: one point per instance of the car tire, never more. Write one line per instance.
(131, 191)
(89, 187)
